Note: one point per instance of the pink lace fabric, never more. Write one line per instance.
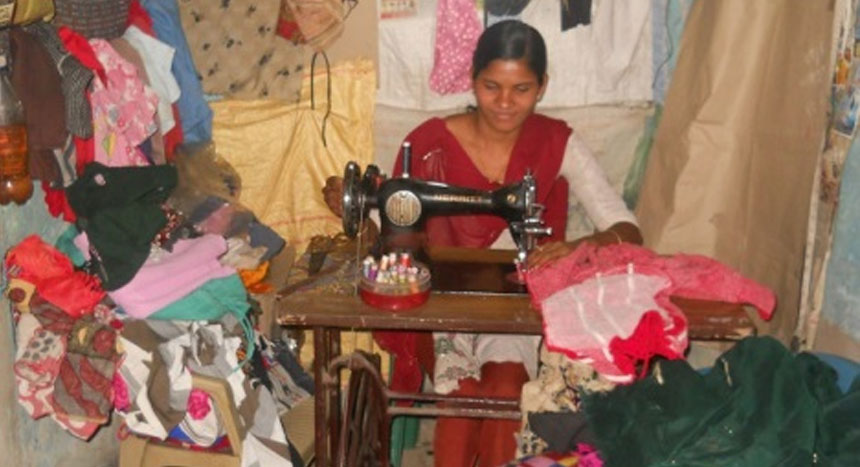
(457, 32)
(610, 305)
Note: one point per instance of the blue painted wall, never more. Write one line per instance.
(26, 442)
(842, 288)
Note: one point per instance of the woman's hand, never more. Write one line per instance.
(622, 232)
(551, 251)
(333, 195)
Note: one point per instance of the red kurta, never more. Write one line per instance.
(438, 156)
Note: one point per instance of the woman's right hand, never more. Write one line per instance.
(333, 194)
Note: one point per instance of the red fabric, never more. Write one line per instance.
(53, 275)
(137, 16)
(458, 441)
(173, 138)
(78, 46)
(438, 156)
(58, 204)
(85, 151)
(691, 276)
(290, 31)
(649, 339)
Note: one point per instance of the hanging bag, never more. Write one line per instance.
(320, 21)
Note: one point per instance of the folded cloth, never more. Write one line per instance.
(167, 277)
(120, 210)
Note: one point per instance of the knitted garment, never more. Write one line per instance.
(611, 306)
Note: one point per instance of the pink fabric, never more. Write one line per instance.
(219, 221)
(457, 32)
(170, 276)
(123, 110)
(120, 393)
(584, 319)
(36, 390)
(593, 302)
(40, 362)
(198, 404)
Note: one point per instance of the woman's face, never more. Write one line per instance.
(506, 92)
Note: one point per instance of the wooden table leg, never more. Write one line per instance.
(334, 392)
(321, 361)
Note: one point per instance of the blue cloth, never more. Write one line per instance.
(194, 113)
(846, 370)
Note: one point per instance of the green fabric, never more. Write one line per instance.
(210, 302)
(120, 210)
(633, 182)
(759, 406)
(65, 243)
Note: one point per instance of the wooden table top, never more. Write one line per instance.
(482, 312)
(442, 312)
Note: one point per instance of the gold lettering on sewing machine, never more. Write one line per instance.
(403, 208)
(457, 198)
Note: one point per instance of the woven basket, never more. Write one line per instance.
(104, 19)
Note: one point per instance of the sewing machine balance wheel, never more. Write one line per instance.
(352, 205)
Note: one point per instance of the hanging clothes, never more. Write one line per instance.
(39, 86)
(575, 13)
(123, 110)
(457, 32)
(194, 112)
(75, 79)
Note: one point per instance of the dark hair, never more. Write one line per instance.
(511, 40)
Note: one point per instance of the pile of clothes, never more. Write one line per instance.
(154, 281)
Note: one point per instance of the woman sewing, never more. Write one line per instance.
(494, 144)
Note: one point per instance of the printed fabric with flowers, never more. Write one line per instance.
(123, 110)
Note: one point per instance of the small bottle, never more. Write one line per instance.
(15, 182)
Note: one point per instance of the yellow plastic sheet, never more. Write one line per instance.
(278, 149)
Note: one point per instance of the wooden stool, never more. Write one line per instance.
(137, 451)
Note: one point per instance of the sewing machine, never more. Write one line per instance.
(404, 203)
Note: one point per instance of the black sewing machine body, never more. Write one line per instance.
(405, 203)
